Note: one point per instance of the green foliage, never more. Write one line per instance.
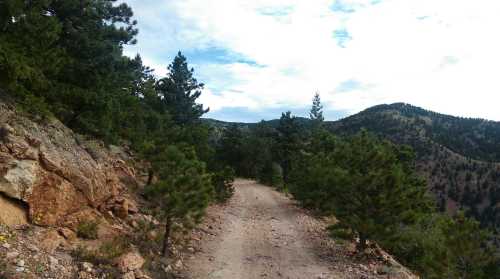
(458, 154)
(65, 58)
(438, 246)
(184, 188)
(87, 229)
(230, 149)
(277, 176)
(223, 184)
(468, 251)
(316, 113)
(365, 185)
(105, 255)
(180, 91)
(183, 191)
(289, 142)
(115, 248)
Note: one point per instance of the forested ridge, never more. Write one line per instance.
(385, 180)
(458, 156)
(455, 155)
(64, 60)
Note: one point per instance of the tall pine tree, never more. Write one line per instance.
(180, 90)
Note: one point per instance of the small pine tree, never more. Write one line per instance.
(316, 113)
(182, 193)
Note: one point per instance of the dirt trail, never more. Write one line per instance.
(262, 234)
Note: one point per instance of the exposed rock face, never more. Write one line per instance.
(12, 213)
(53, 170)
(130, 262)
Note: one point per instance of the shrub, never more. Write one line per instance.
(87, 229)
(114, 248)
(223, 184)
(105, 255)
(277, 176)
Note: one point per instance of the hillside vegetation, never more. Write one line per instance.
(383, 178)
(457, 156)
(64, 60)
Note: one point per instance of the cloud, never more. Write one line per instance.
(272, 54)
(352, 85)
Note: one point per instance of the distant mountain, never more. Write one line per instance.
(458, 156)
(474, 138)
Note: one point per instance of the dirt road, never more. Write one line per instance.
(262, 234)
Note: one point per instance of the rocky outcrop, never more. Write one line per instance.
(12, 213)
(57, 173)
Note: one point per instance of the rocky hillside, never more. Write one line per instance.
(56, 175)
(69, 207)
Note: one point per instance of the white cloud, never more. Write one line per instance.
(439, 54)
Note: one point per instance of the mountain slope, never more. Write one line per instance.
(475, 138)
(456, 155)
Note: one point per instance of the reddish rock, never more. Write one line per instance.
(67, 234)
(50, 241)
(55, 172)
(130, 262)
(121, 209)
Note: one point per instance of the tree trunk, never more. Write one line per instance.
(166, 239)
(150, 177)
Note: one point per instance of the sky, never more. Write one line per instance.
(258, 58)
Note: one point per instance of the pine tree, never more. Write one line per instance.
(469, 254)
(316, 113)
(289, 142)
(180, 90)
(230, 148)
(182, 193)
(364, 183)
(223, 184)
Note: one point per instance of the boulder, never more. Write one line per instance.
(67, 234)
(130, 262)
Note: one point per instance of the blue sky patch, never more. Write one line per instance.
(342, 36)
(276, 11)
(341, 7)
(246, 115)
(349, 85)
(217, 56)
